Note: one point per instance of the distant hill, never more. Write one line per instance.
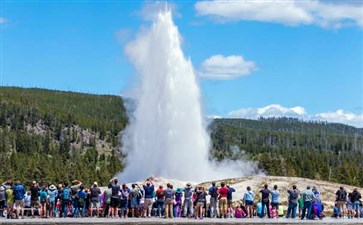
(54, 135)
(289, 147)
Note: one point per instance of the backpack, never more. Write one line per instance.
(66, 194)
(294, 196)
(342, 195)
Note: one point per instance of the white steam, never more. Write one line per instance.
(167, 134)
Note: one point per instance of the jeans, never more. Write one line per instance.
(307, 206)
(267, 205)
(213, 206)
(188, 205)
(64, 208)
(291, 210)
(160, 204)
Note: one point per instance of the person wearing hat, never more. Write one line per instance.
(52, 194)
(95, 192)
(308, 197)
(188, 201)
(178, 202)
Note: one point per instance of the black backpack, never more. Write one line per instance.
(342, 196)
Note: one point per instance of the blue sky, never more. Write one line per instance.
(252, 60)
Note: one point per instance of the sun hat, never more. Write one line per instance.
(188, 185)
(52, 187)
(2, 188)
(95, 183)
(179, 190)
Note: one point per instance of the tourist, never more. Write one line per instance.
(308, 197)
(265, 200)
(95, 192)
(9, 194)
(74, 190)
(301, 205)
(160, 195)
(82, 196)
(293, 195)
(134, 195)
(34, 198)
(178, 202)
(199, 202)
(275, 201)
(19, 192)
(188, 202)
(222, 192)
(341, 199)
(213, 200)
(239, 212)
(66, 199)
(27, 203)
(2, 201)
(149, 190)
(355, 197)
(115, 188)
(43, 196)
(248, 199)
(52, 194)
(124, 198)
(106, 201)
(169, 201)
(230, 201)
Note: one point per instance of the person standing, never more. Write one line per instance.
(52, 193)
(230, 201)
(115, 188)
(188, 202)
(19, 193)
(308, 197)
(95, 192)
(160, 199)
(222, 192)
(43, 197)
(265, 200)
(9, 194)
(293, 195)
(248, 199)
(213, 200)
(275, 200)
(169, 201)
(149, 190)
(341, 199)
(34, 197)
(2, 201)
(355, 197)
(200, 202)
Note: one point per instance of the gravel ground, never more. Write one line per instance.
(156, 221)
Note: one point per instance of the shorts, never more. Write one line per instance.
(19, 203)
(123, 204)
(356, 205)
(200, 204)
(34, 203)
(94, 204)
(249, 202)
(275, 205)
(148, 203)
(350, 206)
(223, 203)
(134, 203)
(114, 202)
(141, 206)
(10, 205)
(52, 204)
(341, 204)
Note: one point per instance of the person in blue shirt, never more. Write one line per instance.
(82, 195)
(148, 190)
(52, 193)
(275, 200)
(43, 195)
(213, 200)
(19, 193)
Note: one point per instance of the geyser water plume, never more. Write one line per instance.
(167, 134)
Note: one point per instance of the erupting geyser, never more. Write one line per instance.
(167, 134)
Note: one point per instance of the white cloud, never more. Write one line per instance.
(151, 8)
(3, 20)
(287, 12)
(221, 67)
(275, 110)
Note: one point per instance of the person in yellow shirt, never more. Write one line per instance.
(9, 193)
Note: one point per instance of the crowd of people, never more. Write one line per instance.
(146, 200)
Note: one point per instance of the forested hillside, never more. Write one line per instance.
(289, 147)
(54, 135)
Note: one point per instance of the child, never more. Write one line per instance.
(239, 213)
(335, 211)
